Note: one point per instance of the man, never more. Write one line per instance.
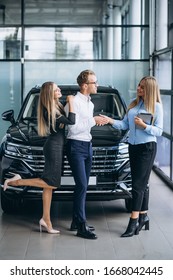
(79, 149)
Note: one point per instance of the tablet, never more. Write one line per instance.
(146, 117)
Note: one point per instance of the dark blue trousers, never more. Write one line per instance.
(141, 161)
(79, 155)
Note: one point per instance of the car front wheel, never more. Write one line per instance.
(11, 204)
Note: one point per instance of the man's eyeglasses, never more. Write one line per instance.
(92, 83)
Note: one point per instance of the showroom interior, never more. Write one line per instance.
(121, 40)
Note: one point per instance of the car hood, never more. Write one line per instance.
(26, 133)
(107, 135)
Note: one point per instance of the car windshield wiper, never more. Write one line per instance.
(21, 133)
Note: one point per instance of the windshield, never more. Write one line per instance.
(104, 103)
(31, 107)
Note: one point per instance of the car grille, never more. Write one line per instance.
(105, 159)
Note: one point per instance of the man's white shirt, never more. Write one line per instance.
(83, 108)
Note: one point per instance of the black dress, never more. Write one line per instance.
(53, 150)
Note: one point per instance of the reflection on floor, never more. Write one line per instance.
(20, 238)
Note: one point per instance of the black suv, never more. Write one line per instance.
(21, 152)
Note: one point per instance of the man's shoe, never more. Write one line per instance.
(84, 232)
(74, 226)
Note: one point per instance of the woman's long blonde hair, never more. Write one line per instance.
(53, 107)
(151, 95)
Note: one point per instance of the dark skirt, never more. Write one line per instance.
(53, 153)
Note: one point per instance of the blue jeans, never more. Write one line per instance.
(79, 154)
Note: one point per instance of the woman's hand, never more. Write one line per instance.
(139, 122)
(100, 120)
(69, 98)
(109, 120)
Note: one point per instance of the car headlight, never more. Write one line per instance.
(17, 151)
(11, 149)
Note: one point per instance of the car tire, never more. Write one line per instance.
(128, 205)
(11, 204)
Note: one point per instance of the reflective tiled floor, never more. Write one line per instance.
(20, 238)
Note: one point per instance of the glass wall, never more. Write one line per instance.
(163, 158)
(86, 43)
(10, 90)
(161, 24)
(10, 43)
(10, 76)
(163, 70)
(10, 12)
(55, 40)
(82, 12)
(74, 29)
(122, 75)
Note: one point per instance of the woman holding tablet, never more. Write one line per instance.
(144, 119)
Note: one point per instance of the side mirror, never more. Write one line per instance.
(8, 116)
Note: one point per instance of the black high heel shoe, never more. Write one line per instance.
(132, 228)
(143, 221)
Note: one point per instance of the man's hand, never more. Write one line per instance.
(100, 120)
(109, 120)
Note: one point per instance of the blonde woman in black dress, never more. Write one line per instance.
(51, 123)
